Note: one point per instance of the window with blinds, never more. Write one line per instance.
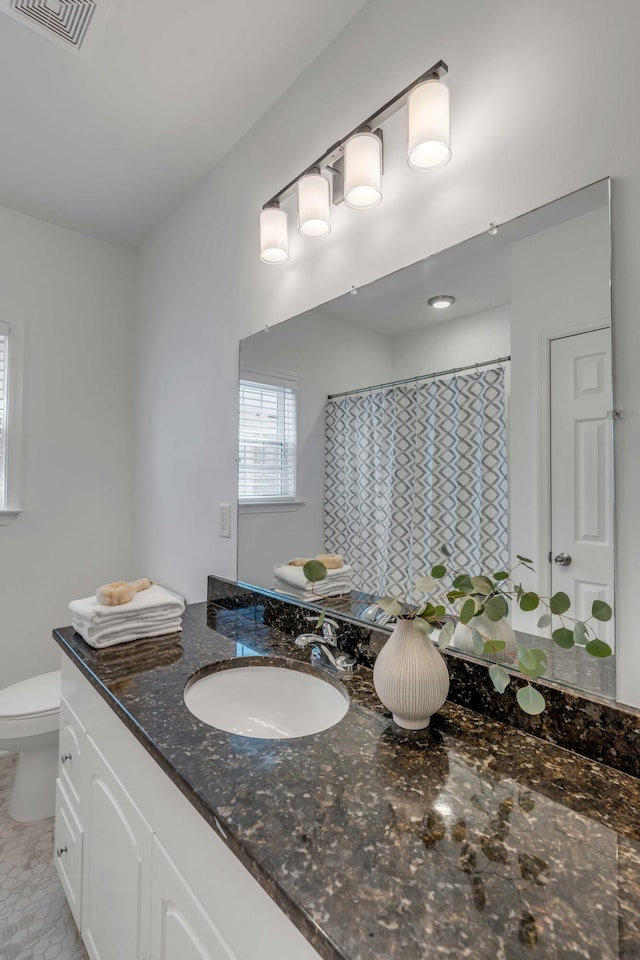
(4, 378)
(267, 446)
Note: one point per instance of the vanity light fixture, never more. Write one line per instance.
(314, 205)
(428, 126)
(274, 235)
(351, 170)
(363, 170)
(441, 302)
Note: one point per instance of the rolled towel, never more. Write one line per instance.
(156, 600)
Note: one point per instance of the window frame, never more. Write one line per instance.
(12, 506)
(289, 381)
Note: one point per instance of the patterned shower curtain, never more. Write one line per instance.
(413, 466)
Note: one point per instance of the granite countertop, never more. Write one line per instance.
(471, 839)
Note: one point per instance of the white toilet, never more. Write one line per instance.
(29, 719)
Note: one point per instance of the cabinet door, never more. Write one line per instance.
(68, 851)
(117, 863)
(180, 929)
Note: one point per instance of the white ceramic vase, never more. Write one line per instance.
(410, 676)
(491, 630)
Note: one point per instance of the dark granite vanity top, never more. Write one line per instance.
(471, 839)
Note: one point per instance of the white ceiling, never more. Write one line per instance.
(107, 145)
(476, 273)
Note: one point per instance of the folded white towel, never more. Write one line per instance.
(126, 636)
(105, 633)
(156, 601)
(292, 581)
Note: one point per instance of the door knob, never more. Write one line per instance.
(562, 559)
(60, 851)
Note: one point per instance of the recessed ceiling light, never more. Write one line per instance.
(441, 302)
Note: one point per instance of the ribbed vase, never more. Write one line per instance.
(410, 676)
(491, 630)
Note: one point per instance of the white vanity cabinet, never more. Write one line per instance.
(116, 877)
(180, 927)
(147, 878)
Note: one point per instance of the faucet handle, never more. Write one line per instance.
(330, 631)
(329, 628)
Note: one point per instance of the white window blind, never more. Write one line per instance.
(4, 378)
(267, 447)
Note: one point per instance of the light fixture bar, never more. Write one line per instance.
(336, 152)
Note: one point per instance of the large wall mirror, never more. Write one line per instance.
(464, 400)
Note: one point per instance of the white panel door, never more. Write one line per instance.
(116, 877)
(180, 929)
(582, 472)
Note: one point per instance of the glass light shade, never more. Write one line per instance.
(363, 171)
(429, 144)
(313, 206)
(274, 236)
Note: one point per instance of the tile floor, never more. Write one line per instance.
(35, 920)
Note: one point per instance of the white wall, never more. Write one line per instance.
(76, 297)
(454, 343)
(328, 357)
(523, 135)
(559, 282)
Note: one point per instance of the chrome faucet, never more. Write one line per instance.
(326, 647)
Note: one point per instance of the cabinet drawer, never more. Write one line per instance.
(68, 852)
(72, 735)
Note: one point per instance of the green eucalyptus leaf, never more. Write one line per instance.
(601, 611)
(463, 583)
(501, 575)
(438, 612)
(390, 605)
(439, 571)
(482, 585)
(455, 595)
(321, 618)
(422, 626)
(468, 610)
(529, 601)
(598, 648)
(314, 570)
(445, 550)
(499, 677)
(523, 559)
(544, 621)
(426, 584)
(559, 603)
(478, 641)
(530, 700)
(446, 634)
(540, 667)
(563, 637)
(496, 609)
(494, 646)
(580, 633)
(526, 658)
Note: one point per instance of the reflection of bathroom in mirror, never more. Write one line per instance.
(379, 426)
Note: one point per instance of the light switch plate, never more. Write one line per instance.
(224, 519)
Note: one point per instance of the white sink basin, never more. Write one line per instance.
(269, 702)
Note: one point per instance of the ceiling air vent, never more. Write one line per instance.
(68, 23)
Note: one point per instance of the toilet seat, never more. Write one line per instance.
(30, 707)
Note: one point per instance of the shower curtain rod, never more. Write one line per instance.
(424, 376)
